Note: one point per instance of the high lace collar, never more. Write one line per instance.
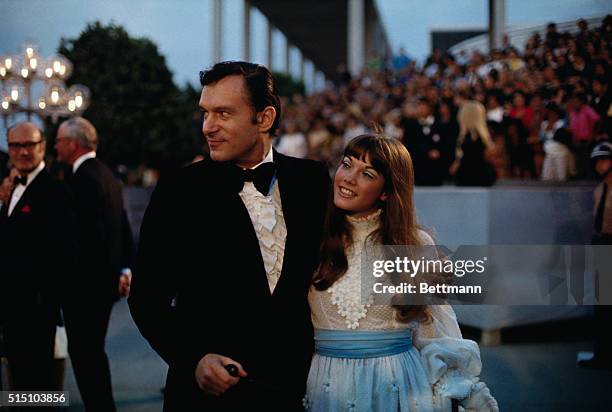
(363, 226)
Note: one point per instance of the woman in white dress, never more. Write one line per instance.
(372, 357)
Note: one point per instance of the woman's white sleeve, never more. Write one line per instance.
(452, 364)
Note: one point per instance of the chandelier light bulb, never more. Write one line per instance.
(48, 72)
(72, 105)
(29, 52)
(33, 63)
(56, 66)
(14, 94)
(42, 104)
(6, 104)
(54, 96)
(25, 73)
(8, 63)
(3, 71)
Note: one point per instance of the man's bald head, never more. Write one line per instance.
(26, 147)
(25, 128)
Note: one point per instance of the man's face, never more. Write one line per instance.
(64, 145)
(603, 165)
(26, 148)
(423, 110)
(229, 128)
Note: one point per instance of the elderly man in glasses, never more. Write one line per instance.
(37, 250)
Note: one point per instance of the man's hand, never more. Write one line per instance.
(125, 280)
(454, 167)
(434, 154)
(6, 187)
(5, 190)
(213, 378)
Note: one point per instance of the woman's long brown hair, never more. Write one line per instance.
(391, 159)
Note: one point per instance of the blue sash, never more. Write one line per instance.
(361, 344)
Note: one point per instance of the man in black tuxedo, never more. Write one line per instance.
(431, 149)
(37, 252)
(98, 282)
(227, 250)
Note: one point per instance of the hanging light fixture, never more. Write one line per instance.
(20, 78)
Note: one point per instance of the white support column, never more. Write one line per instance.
(497, 23)
(287, 57)
(246, 35)
(356, 35)
(217, 27)
(302, 67)
(269, 45)
(314, 78)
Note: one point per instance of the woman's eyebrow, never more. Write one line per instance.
(367, 165)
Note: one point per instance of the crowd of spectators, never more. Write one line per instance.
(546, 104)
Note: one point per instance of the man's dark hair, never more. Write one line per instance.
(259, 82)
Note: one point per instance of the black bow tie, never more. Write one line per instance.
(260, 176)
(19, 180)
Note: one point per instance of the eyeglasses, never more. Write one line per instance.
(24, 145)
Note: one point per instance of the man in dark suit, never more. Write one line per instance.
(431, 150)
(227, 251)
(98, 282)
(4, 158)
(37, 251)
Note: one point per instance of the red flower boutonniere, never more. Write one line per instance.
(25, 209)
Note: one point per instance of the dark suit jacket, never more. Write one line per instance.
(4, 171)
(37, 249)
(200, 284)
(99, 206)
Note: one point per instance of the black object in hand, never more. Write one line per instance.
(232, 369)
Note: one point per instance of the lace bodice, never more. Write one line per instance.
(347, 304)
(342, 306)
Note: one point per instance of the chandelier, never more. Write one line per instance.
(32, 84)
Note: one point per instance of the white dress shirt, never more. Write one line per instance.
(77, 163)
(20, 189)
(266, 213)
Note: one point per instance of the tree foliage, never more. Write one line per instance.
(141, 116)
(288, 86)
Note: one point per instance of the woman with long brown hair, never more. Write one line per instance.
(372, 357)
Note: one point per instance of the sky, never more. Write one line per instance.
(183, 31)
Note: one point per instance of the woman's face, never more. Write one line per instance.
(358, 187)
(519, 100)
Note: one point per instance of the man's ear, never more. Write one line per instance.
(265, 118)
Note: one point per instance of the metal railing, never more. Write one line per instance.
(519, 34)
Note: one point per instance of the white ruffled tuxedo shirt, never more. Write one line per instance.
(266, 213)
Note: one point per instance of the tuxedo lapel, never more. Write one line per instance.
(27, 197)
(225, 177)
(287, 185)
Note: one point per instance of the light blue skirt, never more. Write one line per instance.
(363, 370)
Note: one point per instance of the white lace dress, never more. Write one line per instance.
(368, 361)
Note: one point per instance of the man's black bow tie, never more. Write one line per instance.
(260, 176)
(19, 180)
